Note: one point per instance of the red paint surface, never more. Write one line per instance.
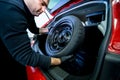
(114, 45)
(34, 73)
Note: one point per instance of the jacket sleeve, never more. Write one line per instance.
(14, 35)
(32, 25)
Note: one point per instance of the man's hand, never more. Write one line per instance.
(43, 30)
(58, 61)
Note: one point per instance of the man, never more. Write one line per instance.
(15, 49)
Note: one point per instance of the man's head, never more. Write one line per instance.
(36, 7)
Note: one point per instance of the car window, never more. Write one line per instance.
(52, 3)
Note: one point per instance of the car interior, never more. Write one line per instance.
(93, 15)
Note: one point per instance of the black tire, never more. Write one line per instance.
(65, 37)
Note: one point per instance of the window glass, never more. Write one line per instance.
(52, 3)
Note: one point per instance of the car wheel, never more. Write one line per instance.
(65, 37)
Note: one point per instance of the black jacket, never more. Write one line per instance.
(15, 18)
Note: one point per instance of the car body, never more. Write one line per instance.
(98, 56)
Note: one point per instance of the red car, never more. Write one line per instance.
(88, 29)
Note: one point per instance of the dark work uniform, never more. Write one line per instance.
(15, 48)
